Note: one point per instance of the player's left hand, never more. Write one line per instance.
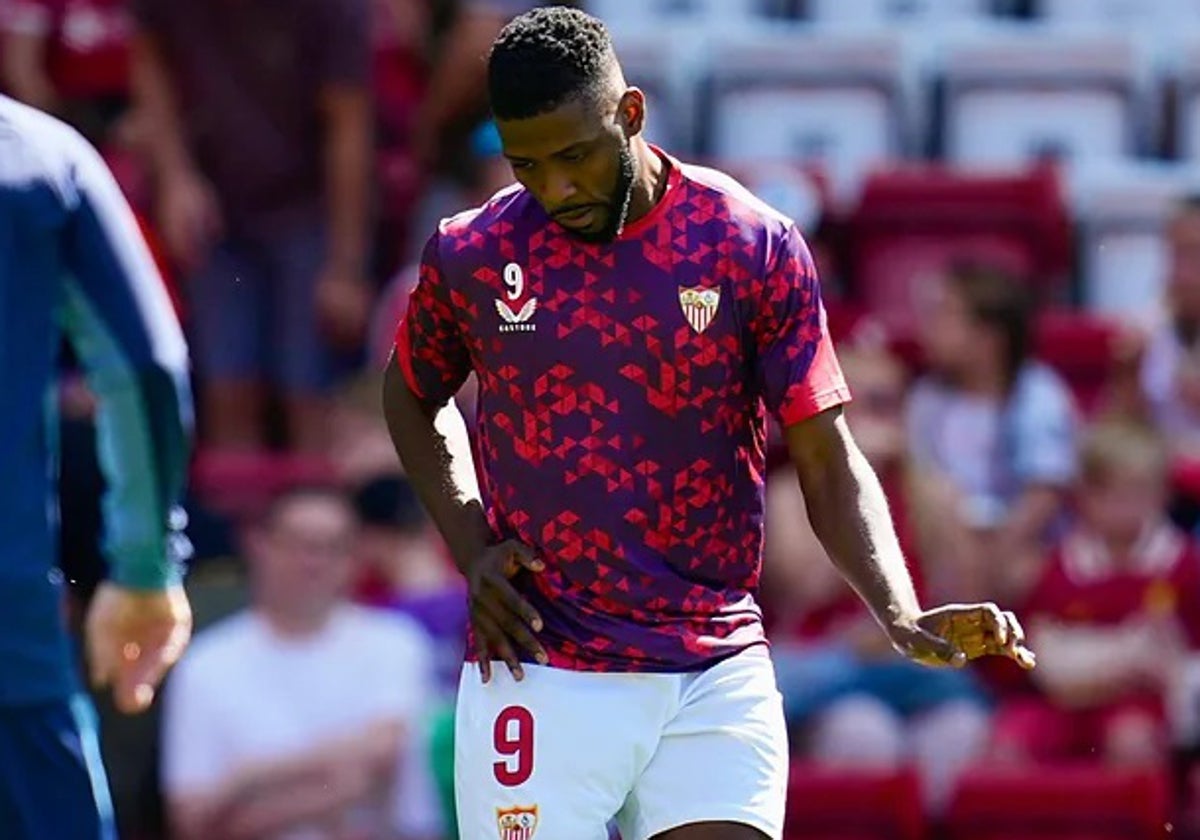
(343, 301)
(958, 633)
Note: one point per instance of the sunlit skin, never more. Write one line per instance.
(586, 161)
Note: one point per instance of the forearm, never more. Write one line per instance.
(850, 516)
(347, 169)
(154, 97)
(435, 449)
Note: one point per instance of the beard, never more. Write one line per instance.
(618, 207)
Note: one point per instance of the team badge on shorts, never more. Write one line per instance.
(699, 306)
(517, 823)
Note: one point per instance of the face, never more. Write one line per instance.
(1120, 506)
(576, 161)
(1183, 245)
(950, 335)
(303, 556)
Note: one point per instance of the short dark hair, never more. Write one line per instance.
(1002, 302)
(546, 57)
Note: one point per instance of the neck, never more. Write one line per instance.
(985, 378)
(649, 181)
(293, 623)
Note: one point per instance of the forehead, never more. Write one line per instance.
(578, 120)
(312, 512)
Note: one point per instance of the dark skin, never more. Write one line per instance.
(570, 160)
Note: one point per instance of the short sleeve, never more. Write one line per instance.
(1045, 433)
(797, 369)
(346, 39)
(430, 349)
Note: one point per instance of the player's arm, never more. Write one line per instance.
(430, 363)
(119, 318)
(802, 384)
(344, 105)
(189, 217)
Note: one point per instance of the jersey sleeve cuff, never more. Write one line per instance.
(809, 405)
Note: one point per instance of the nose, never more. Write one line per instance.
(558, 191)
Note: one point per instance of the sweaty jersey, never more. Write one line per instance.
(623, 398)
(73, 263)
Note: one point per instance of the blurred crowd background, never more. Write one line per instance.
(1004, 201)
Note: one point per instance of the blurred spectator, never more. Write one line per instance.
(1114, 615)
(853, 699)
(409, 570)
(304, 717)
(992, 441)
(69, 57)
(258, 126)
(1170, 372)
(360, 447)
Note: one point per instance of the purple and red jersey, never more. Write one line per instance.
(623, 398)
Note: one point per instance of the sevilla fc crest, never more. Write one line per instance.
(699, 306)
(517, 823)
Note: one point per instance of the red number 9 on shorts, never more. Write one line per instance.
(512, 736)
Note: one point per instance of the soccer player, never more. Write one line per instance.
(631, 320)
(72, 260)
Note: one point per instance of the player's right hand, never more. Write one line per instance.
(133, 637)
(189, 217)
(500, 617)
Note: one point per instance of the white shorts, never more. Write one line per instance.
(560, 754)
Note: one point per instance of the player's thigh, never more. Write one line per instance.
(301, 361)
(227, 312)
(51, 777)
(557, 752)
(723, 759)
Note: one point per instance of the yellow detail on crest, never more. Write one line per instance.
(699, 306)
(518, 823)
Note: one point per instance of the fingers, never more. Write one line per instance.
(942, 650)
(514, 629)
(984, 629)
(481, 653)
(512, 601)
(520, 556)
(498, 642)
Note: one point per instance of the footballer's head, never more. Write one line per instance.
(567, 118)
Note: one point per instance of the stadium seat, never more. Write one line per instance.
(1186, 139)
(844, 804)
(1070, 802)
(660, 12)
(892, 12)
(1012, 96)
(1084, 349)
(238, 484)
(812, 96)
(914, 223)
(668, 72)
(1119, 13)
(1122, 211)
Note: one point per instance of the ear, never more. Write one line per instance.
(631, 112)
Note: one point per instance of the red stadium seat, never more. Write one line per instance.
(1083, 348)
(913, 223)
(829, 804)
(1069, 802)
(241, 483)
